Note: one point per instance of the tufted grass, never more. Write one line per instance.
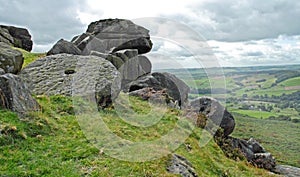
(30, 57)
(51, 143)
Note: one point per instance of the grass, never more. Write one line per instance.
(254, 113)
(291, 82)
(52, 143)
(281, 138)
(30, 57)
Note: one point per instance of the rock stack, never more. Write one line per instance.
(15, 36)
(14, 94)
(117, 45)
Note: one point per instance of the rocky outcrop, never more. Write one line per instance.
(112, 35)
(250, 149)
(15, 96)
(175, 87)
(63, 46)
(119, 41)
(5, 36)
(129, 64)
(134, 68)
(18, 37)
(116, 61)
(287, 170)
(66, 74)
(180, 165)
(2, 71)
(11, 60)
(211, 115)
(158, 97)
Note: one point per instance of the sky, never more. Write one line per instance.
(239, 32)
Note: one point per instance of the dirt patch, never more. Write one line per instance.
(292, 88)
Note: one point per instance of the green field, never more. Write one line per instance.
(265, 84)
(255, 114)
(291, 82)
(254, 94)
(281, 138)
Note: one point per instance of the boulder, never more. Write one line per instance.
(15, 96)
(215, 113)
(159, 97)
(11, 60)
(129, 64)
(134, 68)
(66, 74)
(249, 149)
(112, 35)
(2, 71)
(21, 37)
(286, 170)
(116, 61)
(147, 81)
(181, 166)
(63, 46)
(176, 88)
(5, 36)
(127, 54)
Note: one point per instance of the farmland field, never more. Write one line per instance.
(263, 100)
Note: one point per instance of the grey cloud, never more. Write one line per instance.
(253, 54)
(244, 20)
(47, 21)
(282, 50)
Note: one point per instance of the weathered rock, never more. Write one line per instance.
(2, 71)
(287, 171)
(180, 165)
(214, 112)
(130, 65)
(251, 150)
(158, 97)
(176, 88)
(5, 36)
(63, 46)
(143, 82)
(21, 37)
(66, 74)
(11, 60)
(15, 96)
(134, 68)
(116, 61)
(264, 160)
(127, 54)
(112, 35)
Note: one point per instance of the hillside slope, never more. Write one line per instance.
(51, 143)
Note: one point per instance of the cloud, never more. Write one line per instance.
(47, 21)
(278, 51)
(253, 54)
(240, 32)
(243, 20)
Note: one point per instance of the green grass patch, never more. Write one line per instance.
(281, 138)
(52, 143)
(253, 113)
(30, 57)
(291, 82)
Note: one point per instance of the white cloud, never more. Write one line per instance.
(281, 50)
(131, 9)
(240, 32)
